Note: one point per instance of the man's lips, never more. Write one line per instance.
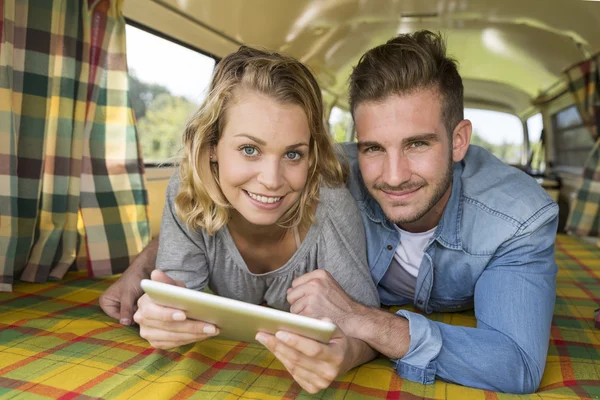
(400, 194)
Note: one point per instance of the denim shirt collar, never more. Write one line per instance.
(448, 230)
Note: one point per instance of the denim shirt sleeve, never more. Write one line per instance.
(514, 304)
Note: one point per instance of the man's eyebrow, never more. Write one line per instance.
(423, 137)
(431, 137)
(367, 143)
(263, 143)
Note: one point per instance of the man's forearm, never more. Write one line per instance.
(145, 262)
(118, 301)
(383, 331)
(358, 353)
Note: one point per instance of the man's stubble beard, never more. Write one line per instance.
(438, 193)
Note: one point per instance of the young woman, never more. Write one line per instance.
(259, 199)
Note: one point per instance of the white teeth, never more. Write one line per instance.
(264, 199)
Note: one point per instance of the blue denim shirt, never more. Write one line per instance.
(493, 250)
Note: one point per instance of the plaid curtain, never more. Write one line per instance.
(71, 175)
(584, 218)
(584, 84)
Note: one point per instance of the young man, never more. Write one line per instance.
(449, 227)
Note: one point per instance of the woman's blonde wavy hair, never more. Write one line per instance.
(200, 202)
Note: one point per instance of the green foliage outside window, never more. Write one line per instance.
(507, 152)
(339, 122)
(160, 119)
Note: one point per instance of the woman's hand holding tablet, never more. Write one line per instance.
(235, 319)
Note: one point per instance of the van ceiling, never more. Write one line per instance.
(509, 51)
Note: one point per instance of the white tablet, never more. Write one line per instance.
(236, 319)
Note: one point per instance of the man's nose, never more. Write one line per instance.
(396, 169)
(271, 175)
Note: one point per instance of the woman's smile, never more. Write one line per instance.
(264, 202)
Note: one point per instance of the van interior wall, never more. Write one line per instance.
(157, 180)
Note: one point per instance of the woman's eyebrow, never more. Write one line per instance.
(295, 146)
(253, 138)
(263, 143)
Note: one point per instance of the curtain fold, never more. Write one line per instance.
(69, 152)
(584, 85)
(584, 217)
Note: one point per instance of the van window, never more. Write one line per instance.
(572, 140)
(340, 124)
(535, 126)
(500, 133)
(167, 83)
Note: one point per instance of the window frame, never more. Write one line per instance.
(524, 145)
(147, 29)
(556, 132)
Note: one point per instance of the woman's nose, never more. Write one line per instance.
(271, 175)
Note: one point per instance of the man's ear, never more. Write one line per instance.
(461, 137)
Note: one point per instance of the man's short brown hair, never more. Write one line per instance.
(405, 64)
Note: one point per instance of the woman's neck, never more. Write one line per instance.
(241, 227)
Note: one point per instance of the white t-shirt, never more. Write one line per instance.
(401, 277)
(411, 249)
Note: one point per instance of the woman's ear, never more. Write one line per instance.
(213, 163)
(461, 137)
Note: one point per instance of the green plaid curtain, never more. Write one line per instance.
(584, 84)
(71, 175)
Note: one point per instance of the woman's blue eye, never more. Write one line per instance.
(293, 155)
(249, 150)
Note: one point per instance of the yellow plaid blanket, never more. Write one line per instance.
(56, 343)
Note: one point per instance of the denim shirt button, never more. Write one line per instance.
(390, 247)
